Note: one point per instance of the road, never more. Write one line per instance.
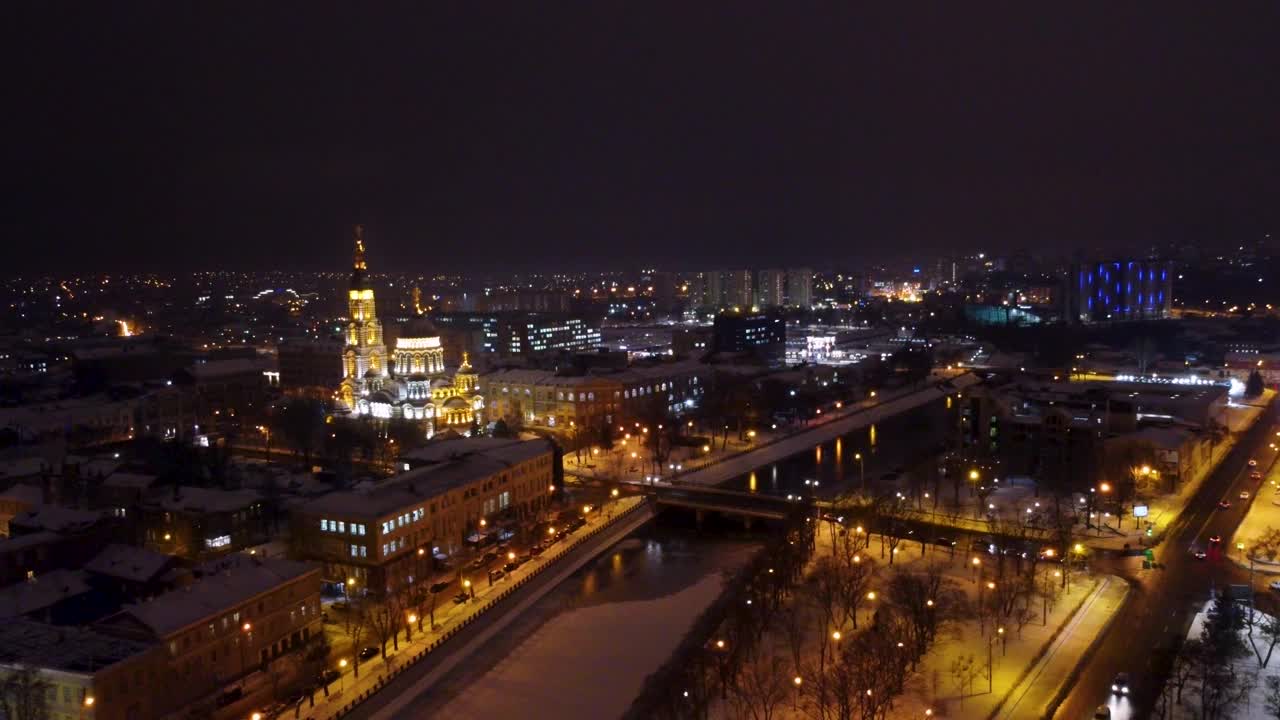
(1162, 602)
(416, 684)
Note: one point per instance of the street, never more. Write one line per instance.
(1162, 601)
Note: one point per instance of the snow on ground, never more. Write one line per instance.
(1255, 707)
(589, 662)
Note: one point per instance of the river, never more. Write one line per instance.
(585, 649)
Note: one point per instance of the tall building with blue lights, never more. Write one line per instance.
(1119, 290)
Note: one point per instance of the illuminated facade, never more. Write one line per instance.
(364, 358)
(412, 383)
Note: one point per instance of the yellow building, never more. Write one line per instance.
(364, 358)
(414, 384)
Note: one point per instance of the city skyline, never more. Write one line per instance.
(583, 138)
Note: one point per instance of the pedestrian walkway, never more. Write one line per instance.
(348, 692)
(1049, 676)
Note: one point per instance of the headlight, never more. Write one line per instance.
(1125, 689)
(1115, 688)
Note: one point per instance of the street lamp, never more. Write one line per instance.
(862, 472)
(467, 584)
(797, 681)
(342, 675)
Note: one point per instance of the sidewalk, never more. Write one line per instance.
(1050, 675)
(1263, 516)
(935, 686)
(349, 691)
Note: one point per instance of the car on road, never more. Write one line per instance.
(1244, 494)
(1199, 554)
(368, 652)
(1120, 685)
(1102, 713)
(1255, 475)
(1215, 539)
(1224, 504)
(1253, 463)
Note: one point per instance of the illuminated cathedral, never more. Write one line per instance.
(413, 383)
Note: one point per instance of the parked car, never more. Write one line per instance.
(513, 564)
(496, 574)
(440, 587)
(230, 696)
(460, 598)
(327, 677)
(369, 652)
(1274, 585)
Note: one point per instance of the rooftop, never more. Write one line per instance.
(197, 499)
(136, 481)
(128, 563)
(226, 584)
(24, 642)
(41, 592)
(225, 368)
(448, 465)
(56, 518)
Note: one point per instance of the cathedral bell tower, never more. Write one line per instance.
(364, 358)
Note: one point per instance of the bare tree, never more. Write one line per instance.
(1270, 633)
(1273, 695)
(761, 687)
(25, 695)
(356, 622)
(964, 670)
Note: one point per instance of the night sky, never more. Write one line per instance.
(557, 135)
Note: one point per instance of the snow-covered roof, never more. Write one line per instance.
(41, 592)
(224, 585)
(128, 563)
(56, 518)
(198, 499)
(28, 643)
(136, 481)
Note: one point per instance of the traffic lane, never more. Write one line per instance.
(1160, 610)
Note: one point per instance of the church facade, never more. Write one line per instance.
(412, 383)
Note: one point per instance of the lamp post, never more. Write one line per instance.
(797, 681)
(342, 674)
(466, 584)
(862, 473)
(408, 628)
(266, 433)
(247, 629)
